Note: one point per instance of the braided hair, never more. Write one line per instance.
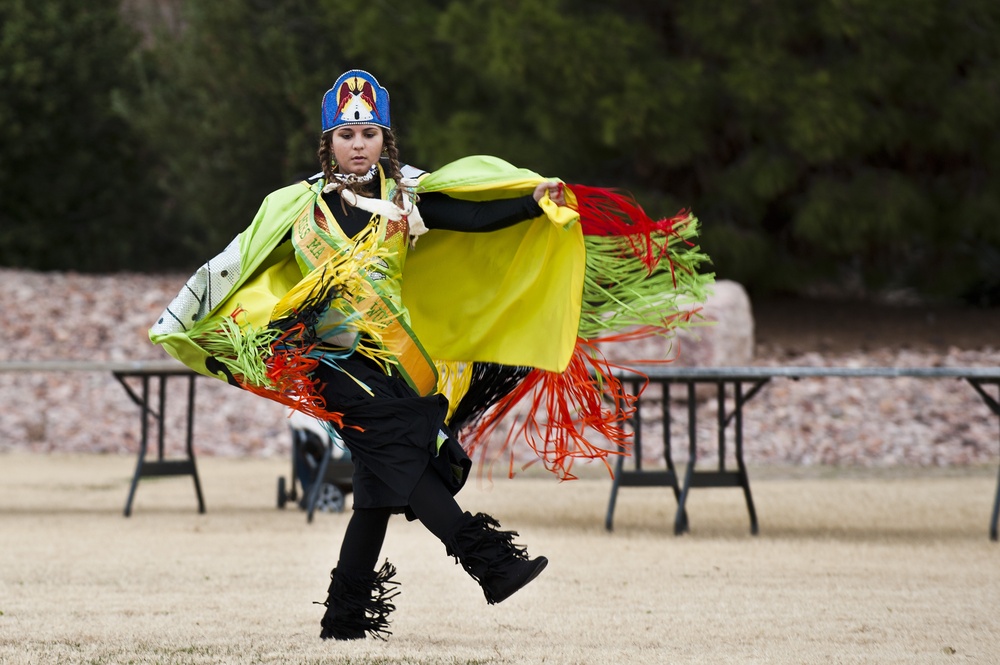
(390, 162)
(392, 156)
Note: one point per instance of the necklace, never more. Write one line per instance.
(351, 178)
(342, 179)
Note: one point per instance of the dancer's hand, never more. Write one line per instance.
(554, 190)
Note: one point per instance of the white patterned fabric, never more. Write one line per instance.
(202, 292)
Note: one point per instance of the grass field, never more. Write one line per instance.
(849, 567)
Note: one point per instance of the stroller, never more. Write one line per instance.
(321, 467)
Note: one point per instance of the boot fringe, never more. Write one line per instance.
(484, 550)
(359, 604)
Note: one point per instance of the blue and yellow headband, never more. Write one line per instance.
(356, 99)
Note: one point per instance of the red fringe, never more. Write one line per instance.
(585, 396)
(642, 332)
(606, 212)
(289, 369)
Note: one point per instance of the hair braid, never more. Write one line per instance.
(325, 154)
(392, 152)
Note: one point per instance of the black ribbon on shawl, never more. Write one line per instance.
(490, 383)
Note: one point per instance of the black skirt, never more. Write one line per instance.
(392, 434)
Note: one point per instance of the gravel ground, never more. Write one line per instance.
(865, 422)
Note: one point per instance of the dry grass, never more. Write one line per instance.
(849, 568)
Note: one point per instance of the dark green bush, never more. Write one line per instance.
(75, 190)
(840, 144)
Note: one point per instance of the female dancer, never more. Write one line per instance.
(307, 307)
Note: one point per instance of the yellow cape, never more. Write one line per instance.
(511, 296)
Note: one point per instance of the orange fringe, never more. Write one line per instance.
(586, 395)
(289, 368)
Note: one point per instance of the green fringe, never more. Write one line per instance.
(620, 293)
(241, 348)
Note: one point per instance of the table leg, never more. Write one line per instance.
(143, 440)
(738, 436)
(615, 483)
(189, 444)
(639, 477)
(680, 519)
(995, 408)
(668, 456)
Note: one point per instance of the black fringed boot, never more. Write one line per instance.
(359, 604)
(491, 557)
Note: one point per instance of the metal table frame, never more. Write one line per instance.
(160, 466)
(146, 372)
(756, 378)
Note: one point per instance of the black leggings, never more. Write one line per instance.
(431, 502)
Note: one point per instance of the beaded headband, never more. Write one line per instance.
(356, 99)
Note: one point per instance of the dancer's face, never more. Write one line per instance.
(357, 147)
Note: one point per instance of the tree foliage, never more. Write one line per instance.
(72, 183)
(851, 141)
(833, 144)
(223, 108)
